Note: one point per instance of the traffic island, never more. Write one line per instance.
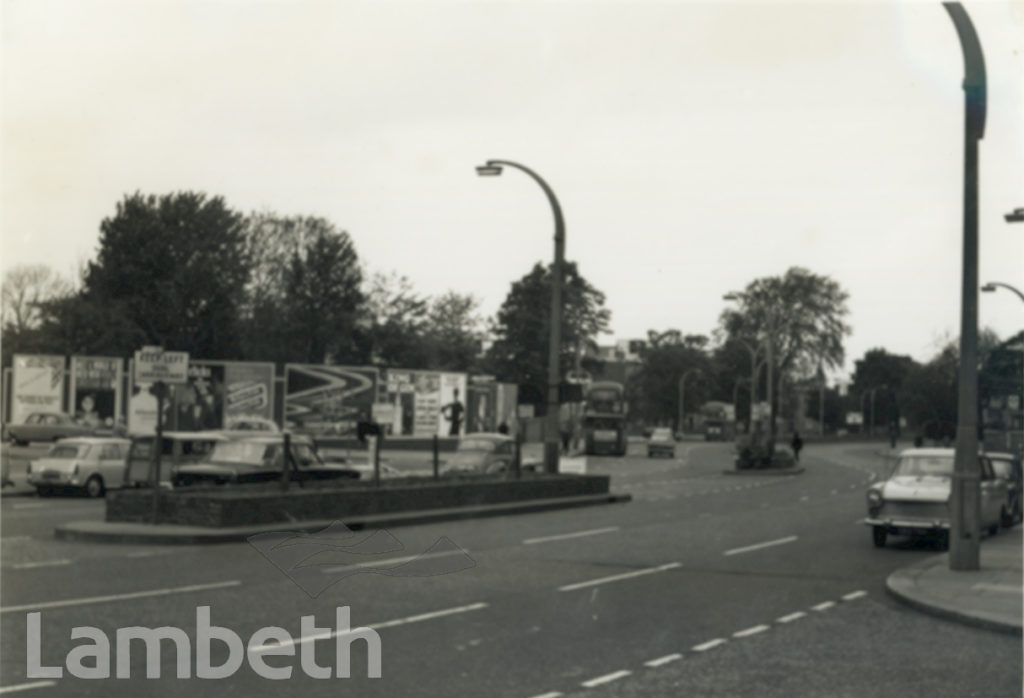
(223, 514)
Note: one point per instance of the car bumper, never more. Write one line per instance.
(51, 478)
(908, 525)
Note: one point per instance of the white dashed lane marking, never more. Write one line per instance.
(791, 617)
(823, 606)
(607, 678)
(27, 686)
(660, 661)
(566, 536)
(759, 546)
(619, 577)
(710, 644)
(751, 631)
(854, 595)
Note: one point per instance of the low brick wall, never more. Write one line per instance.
(244, 505)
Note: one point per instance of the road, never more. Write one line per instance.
(706, 584)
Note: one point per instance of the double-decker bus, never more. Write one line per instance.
(604, 418)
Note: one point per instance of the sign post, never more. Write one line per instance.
(159, 368)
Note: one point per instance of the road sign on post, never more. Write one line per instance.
(159, 368)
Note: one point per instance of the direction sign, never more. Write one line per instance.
(153, 364)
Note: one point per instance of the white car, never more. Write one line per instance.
(91, 464)
(915, 498)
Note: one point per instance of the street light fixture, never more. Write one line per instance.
(965, 499)
(1015, 216)
(990, 287)
(493, 168)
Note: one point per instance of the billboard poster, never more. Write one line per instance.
(426, 403)
(248, 390)
(506, 403)
(323, 399)
(481, 407)
(199, 403)
(38, 385)
(96, 389)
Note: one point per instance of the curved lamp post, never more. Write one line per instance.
(991, 287)
(965, 501)
(493, 168)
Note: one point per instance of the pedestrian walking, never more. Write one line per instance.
(797, 443)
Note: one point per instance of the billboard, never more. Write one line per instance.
(38, 383)
(322, 399)
(214, 393)
(96, 389)
(426, 403)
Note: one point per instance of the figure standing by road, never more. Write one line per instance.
(453, 413)
(797, 443)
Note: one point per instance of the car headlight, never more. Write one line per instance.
(874, 498)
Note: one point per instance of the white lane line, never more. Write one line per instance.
(44, 563)
(708, 645)
(375, 626)
(823, 606)
(618, 577)
(751, 631)
(856, 595)
(607, 678)
(565, 536)
(552, 694)
(660, 661)
(119, 597)
(380, 564)
(759, 546)
(34, 505)
(791, 617)
(27, 686)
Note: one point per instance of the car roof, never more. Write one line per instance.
(93, 440)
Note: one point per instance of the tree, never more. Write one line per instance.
(303, 301)
(453, 331)
(396, 320)
(883, 373)
(25, 288)
(175, 265)
(800, 313)
(521, 329)
(667, 356)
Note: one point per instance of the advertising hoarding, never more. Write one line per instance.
(38, 385)
(96, 392)
(427, 403)
(323, 399)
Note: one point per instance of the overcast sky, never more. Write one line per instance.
(693, 146)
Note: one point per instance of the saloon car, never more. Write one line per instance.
(89, 464)
(661, 443)
(915, 497)
(46, 426)
(482, 453)
(258, 459)
(1008, 467)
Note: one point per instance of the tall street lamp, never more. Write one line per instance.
(990, 287)
(1015, 216)
(965, 500)
(682, 394)
(492, 168)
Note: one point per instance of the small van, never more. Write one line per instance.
(179, 448)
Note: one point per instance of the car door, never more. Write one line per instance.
(111, 465)
(993, 494)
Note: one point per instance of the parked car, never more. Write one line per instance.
(258, 459)
(1008, 467)
(90, 464)
(47, 426)
(482, 453)
(661, 443)
(179, 448)
(915, 497)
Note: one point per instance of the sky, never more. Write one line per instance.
(693, 147)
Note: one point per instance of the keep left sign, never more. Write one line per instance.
(153, 364)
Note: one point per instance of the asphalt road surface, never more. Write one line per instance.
(705, 584)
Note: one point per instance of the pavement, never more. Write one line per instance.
(990, 597)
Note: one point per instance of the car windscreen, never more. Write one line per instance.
(924, 465)
(243, 453)
(476, 445)
(68, 451)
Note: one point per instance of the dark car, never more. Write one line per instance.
(47, 426)
(481, 454)
(258, 459)
(1008, 467)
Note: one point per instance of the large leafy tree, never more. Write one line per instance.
(26, 291)
(174, 267)
(454, 332)
(801, 314)
(665, 359)
(304, 299)
(395, 320)
(519, 352)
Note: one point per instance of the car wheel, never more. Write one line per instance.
(94, 486)
(878, 536)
